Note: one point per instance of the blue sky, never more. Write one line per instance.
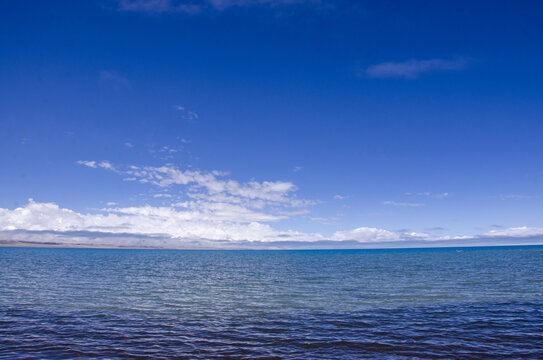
(420, 119)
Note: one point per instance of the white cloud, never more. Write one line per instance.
(193, 7)
(207, 224)
(411, 69)
(297, 169)
(106, 165)
(189, 220)
(196, 220)
(159, 6)
(368, 234)
(168, 149)
(186, 114)
(214, 210)
(442, 195)
(326, 220)
(214, 183)
(522, 231)
(128, 144)
(514, 197)
(213, 196)
(426, 193)
(114, 78)
(91, 164)
(403, 204)
(339, 197)
(217, 209)
(95, 164)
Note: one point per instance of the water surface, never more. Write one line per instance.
(417, 303)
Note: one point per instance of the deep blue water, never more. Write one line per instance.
(471, 303)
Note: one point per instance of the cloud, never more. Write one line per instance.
(105, 239)
(194, 7)
(214, 208)
(208, 209)
(213, 195)
(91, 164)
(428, 194)
(441, 195)
(193, 224)
(339, 197)
(106, 165)
(297, 169)
(189, 220)
(115, 79)
(94, 164)
(159, 6)
(128, 144)
(435, 228)
(522, 231)
(514, 197)
(403, 204)
(368, 234)
(200, 220)
(411, 69)
(168, 149)
(186, 114)
(215, 183)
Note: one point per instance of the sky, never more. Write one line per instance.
(216, 123)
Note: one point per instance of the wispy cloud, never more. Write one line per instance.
(402, 204)
(198, 6)
(368, 234)
(214, 182)
(515, 197)
(160, 6)
(97, 164)
(412, 69)
(114, 79)
(522, 231)
(214, 190)
(168, 149)
(435, 229)
(339, 197)
(186, 114)
(91, 164)
(441, 195)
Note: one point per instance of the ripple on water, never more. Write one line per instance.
(74, 303)
(461, 331)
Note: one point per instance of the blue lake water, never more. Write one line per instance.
(470, 303)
